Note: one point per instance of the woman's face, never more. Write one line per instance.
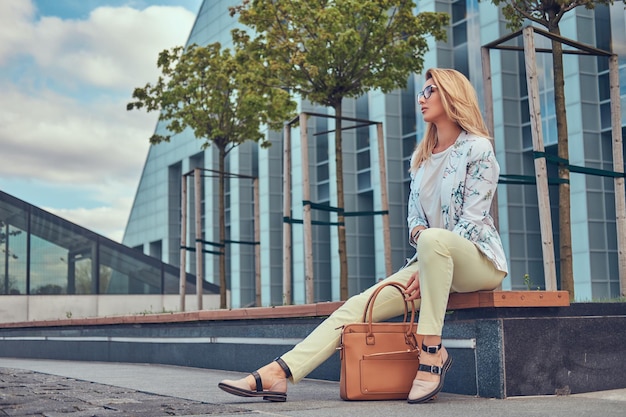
(429, 100)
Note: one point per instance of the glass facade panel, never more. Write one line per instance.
(321, 159)
(322, 172)
(364, 181)
(459, 39)
(13, 249)
(127, 275)
(321, 145)
(323, 192)
(48, 267)
(42, 254)
(459, 10)
(363, 160)
(13, 253)
(605, 115)
(409, 102)
(174, 213)
(364, 266)
(461, 62)
(604, 87)
(459, 34)
(408, 146)
(597, 239)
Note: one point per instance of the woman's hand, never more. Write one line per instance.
(413, 287)
(415, 233)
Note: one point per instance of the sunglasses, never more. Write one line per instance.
(426, 92)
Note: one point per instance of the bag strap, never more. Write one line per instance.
(369, 308)
(398, 286)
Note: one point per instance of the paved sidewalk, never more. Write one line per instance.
(30, 387)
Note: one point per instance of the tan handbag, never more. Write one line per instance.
(379, 360)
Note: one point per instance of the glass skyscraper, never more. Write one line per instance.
(154, 223)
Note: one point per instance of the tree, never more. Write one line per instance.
(220, 97)
(548, 13)
(328, 50)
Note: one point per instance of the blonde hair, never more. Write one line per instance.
(460, 104)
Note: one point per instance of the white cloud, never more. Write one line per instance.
(113, 48)
(53, 138)
(15, 16)
(65, 84)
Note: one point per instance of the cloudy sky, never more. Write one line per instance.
(67, 70)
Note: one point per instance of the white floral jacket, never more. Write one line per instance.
(468, 185)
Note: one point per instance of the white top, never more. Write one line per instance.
(431, 186)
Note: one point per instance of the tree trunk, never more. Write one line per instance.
(565, 231)
(222, 215)
(341, 228)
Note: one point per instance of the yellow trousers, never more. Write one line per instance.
(447, 263)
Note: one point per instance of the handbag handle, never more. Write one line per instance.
(398, 286)
(369, 310)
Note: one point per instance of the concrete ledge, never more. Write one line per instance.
(498, 351)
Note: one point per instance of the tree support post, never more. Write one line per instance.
(384, 198)
(306, 217)
(197, 176)
(183, 242)
(257, 246)
(488, 102)
(488, 99)
(541, 172)
(287, 246)
(618, 166)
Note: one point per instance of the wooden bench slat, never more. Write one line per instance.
(458, 301)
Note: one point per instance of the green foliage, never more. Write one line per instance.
(326, 50)
(529, 284)
(544, 12)
(215, 93)
(150, 311)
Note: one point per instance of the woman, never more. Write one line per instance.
(454, 175)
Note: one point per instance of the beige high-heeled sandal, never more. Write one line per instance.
(422, 390)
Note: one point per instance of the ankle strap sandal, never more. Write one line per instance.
(283, 365)
(433, 369)
(424, 390)
(431, 349)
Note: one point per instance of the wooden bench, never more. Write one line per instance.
(457, 301)
(480, 299)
